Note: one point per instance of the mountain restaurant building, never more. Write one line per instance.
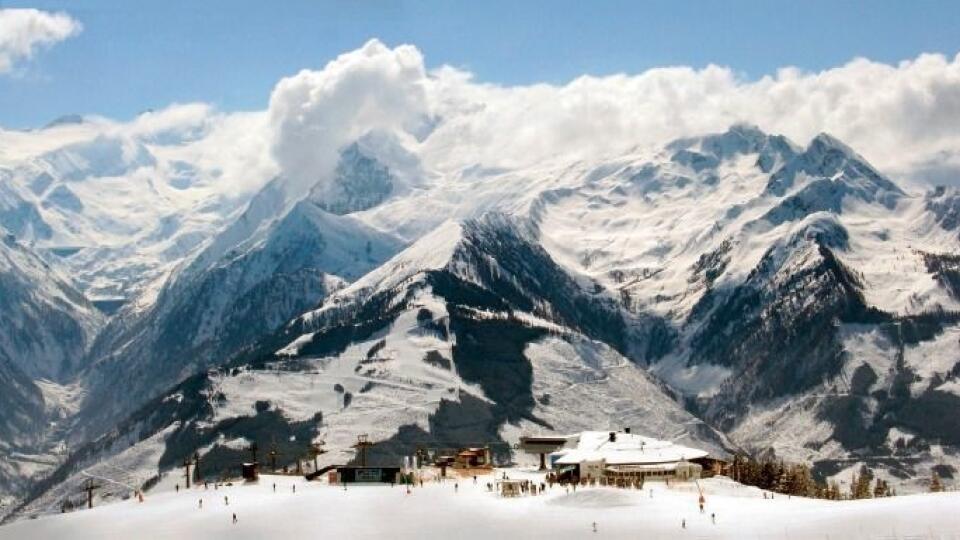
(592, 455)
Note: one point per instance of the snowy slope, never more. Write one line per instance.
(118, 205)
(203, 317)
(450, 340)
(759, 255)
(471, 512)
(735, 282)
(46, 325)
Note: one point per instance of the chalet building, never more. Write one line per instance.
(472, 458)
(592, 455)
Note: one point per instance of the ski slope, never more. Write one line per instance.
(438, 510)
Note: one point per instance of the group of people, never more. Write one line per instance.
(226, 498)
(702, 501)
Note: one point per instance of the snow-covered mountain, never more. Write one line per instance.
(471, 334)
(272, 264)
(116, 205)
(46, 326)
(736, 290)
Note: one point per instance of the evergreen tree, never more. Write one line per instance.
(861, 489)
(880, 488)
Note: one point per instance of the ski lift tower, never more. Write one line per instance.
(363, 443)
(89, 485)
(316, 450)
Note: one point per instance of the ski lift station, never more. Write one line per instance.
(592, 455)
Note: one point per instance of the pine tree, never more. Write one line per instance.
(862, 487)
(880, 488)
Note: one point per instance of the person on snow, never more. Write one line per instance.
(226, 501)
(683, 523)
(234, 518)
(456, 487)
(713, 518)
(177, 487)
(274, 487)
(200, 504)
(294, 488)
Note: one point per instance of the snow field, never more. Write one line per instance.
(438, 510)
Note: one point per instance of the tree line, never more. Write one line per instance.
(797, 479)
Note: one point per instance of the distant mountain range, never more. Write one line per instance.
(733, 291)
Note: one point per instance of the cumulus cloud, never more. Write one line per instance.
(315, 113)
(24, 31)
(905, 118)
(231, 150)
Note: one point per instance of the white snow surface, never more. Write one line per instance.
(439, 510)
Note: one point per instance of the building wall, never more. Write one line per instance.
(591, 469)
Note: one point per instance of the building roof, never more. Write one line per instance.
(627, 449)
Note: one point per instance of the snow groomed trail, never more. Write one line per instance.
(437, 510)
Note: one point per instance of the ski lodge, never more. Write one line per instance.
(616, 455)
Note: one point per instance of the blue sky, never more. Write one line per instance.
(143, 54)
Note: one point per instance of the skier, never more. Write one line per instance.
(274, 487)
(683, 523)
(200, 504)
(456, 487)
(177, 487)
(234, 518)
(294, 488)
(474, 479)
(713, 518)
(226, 501)
(594, 526)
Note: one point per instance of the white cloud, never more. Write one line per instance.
(905, 118)
(24, 31)
(315, 113)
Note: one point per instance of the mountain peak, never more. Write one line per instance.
(67, 119)
(828, 158)
(740, 139)
(825, 142)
